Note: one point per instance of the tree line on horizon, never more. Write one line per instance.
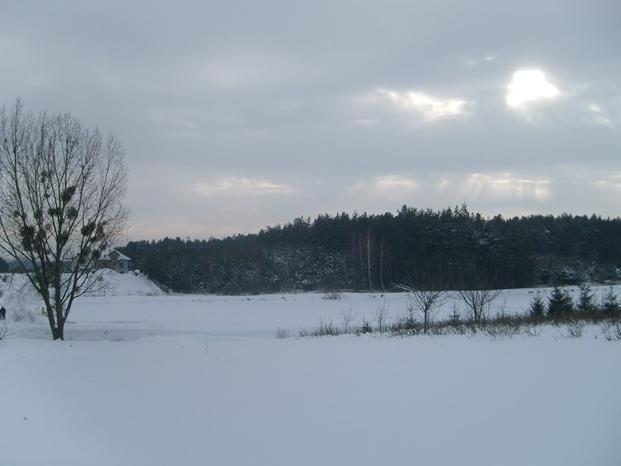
(424, 249)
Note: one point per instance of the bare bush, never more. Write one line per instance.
(497, 329)
(611, 331)
(438, 330)
(427, 303)
(347, 318)
(478, 302)
(575, 328)
(381, 314)
(405, 326)
(325, 328)
(332, 295)
(502, 325)
(406, 323)
(283, 333)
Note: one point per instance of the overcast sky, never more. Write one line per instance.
(235, 114)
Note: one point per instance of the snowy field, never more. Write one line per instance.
(148, 379)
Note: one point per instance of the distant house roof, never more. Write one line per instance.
(114, 255)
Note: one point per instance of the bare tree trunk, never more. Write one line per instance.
(381, 267)
(353, 257)
(369, 259)
(361, 258)
(58, 332)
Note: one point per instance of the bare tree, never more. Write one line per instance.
(347, 318)
(61, 204)
(478, 302)
(427, 303)
(427, 296)
(381, 314)
(368, 242)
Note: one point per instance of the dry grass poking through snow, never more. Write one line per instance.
(571, 325)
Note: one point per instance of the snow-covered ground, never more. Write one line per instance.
(148, 379)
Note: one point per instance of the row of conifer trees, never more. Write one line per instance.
(560, 304)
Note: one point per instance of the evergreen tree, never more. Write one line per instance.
(359, 251)
(610, 304)
(537, 307)
(585, 300)
(560, 303)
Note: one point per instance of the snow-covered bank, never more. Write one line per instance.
(24, 304)
(131, 306)
(194, 380)
(137, 314)
(332, 401)
(111, 283)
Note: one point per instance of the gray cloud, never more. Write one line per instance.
(235, 115)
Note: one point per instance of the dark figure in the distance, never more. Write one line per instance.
(2, 313)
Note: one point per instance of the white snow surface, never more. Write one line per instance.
(149, 379)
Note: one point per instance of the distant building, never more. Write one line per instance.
(114, 260)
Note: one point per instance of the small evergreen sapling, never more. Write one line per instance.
(585, 300)
(366, 327)
(537, 307)
(559, 303)
(610, 303)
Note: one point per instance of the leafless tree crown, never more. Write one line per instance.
(478, 302)
(426, 302)
(61, 203)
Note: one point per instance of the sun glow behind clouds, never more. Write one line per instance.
(395, 181)
(610, 181)
(599, 116)
(507, 185)
(239, 185)
(386, 185)
(529, 86)
(432, 108)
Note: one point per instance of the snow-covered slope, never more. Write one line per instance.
(129, 284)
(22, 302)
(133, 307)
(194, 380)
